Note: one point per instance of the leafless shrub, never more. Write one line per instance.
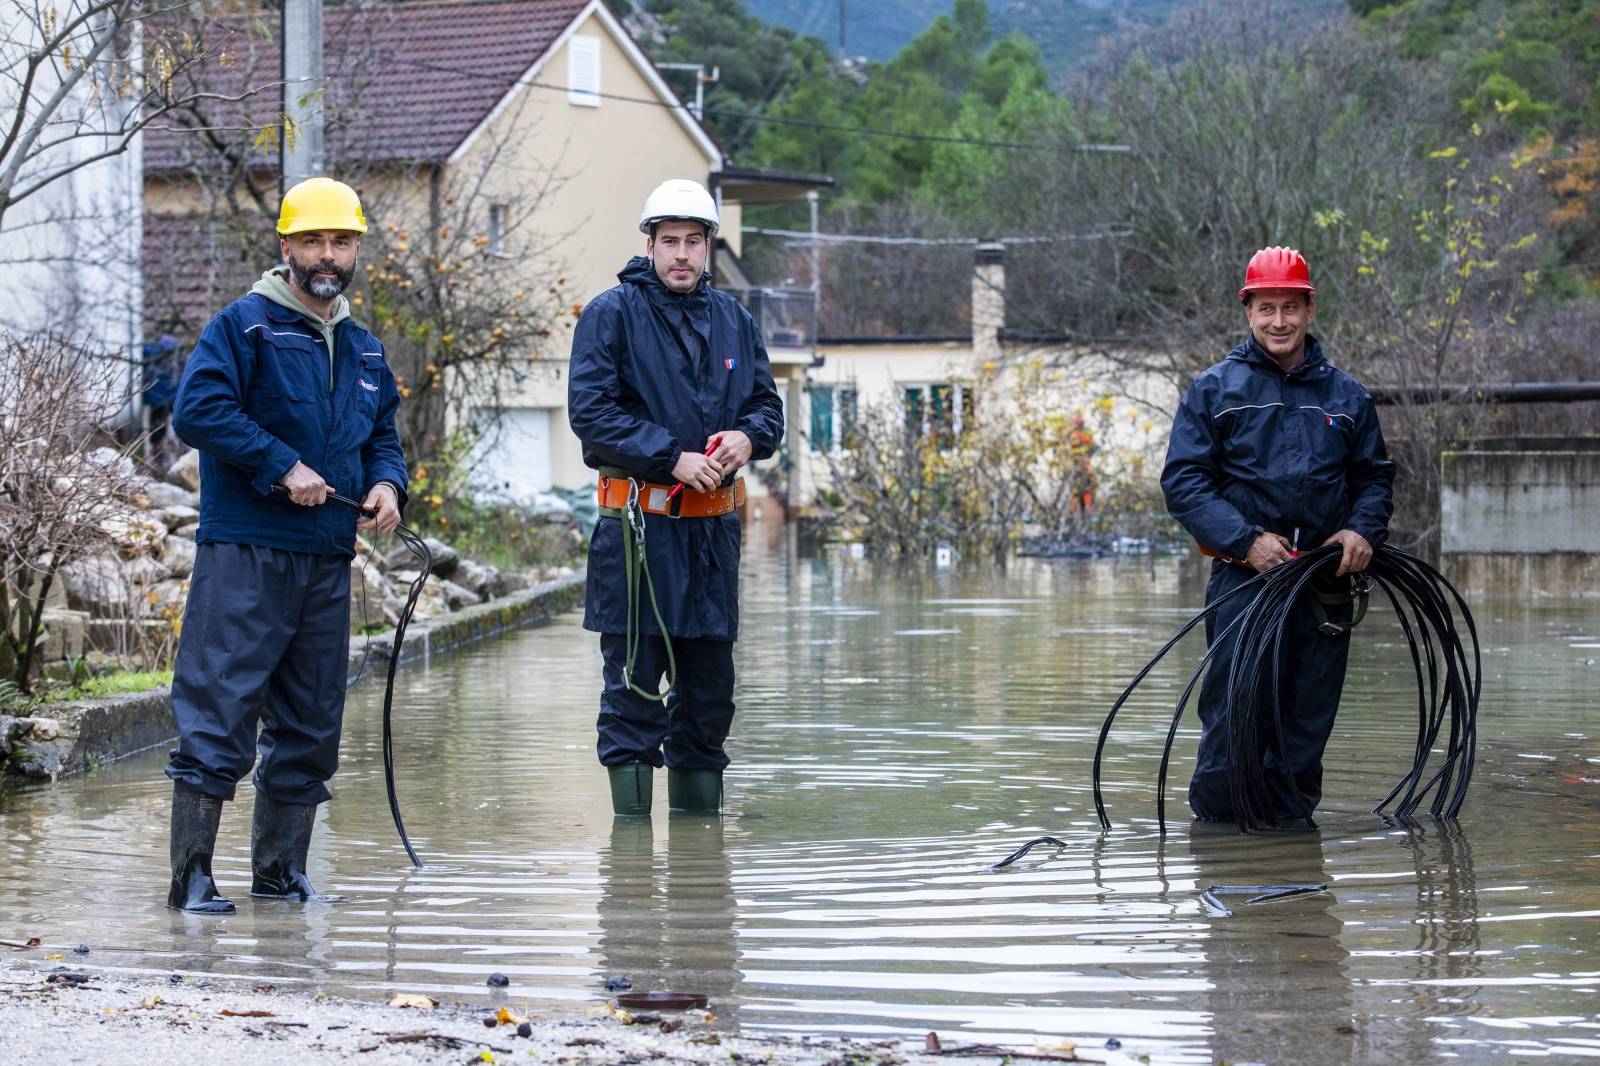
(62, 488)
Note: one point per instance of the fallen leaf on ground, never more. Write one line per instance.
(228, 1012)
(1056, 1047)
(505, 1017)
(31, 942)
(414, 1000)
(931, 1042)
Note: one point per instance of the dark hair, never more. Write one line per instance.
(1311, 298)
(655, 225)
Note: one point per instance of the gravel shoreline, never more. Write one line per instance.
(52, 1014)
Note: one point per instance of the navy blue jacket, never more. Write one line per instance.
(1257, 450)
(255, 398)
(655, 373)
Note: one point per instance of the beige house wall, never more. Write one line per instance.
(1138, 423)
(600, 162)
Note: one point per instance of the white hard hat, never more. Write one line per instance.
(679, 198)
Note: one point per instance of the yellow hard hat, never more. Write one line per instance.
(320, 203)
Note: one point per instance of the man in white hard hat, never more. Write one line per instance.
(288, 400)
(671, 393)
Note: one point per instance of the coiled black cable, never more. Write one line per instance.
(1449, 684)
(424, 556)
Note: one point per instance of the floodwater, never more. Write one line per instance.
(897, 734)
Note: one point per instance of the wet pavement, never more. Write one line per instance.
(897, 734)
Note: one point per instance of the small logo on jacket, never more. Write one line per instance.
(730, 363)
(1330, 420)
(370, 387)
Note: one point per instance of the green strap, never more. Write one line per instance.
(1320, 601)
(636, 565)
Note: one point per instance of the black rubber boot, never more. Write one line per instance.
(280, 837)
(630, 789)
(195, 817)
(694, 791)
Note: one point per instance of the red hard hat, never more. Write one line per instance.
(1277, 268)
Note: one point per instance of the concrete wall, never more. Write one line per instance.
(1522, 521)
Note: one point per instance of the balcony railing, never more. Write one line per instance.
(787, 317)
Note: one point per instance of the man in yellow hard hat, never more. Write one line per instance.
(288, 400)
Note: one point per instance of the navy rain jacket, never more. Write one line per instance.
(1257, 450)
(255, 398)
(654, 374)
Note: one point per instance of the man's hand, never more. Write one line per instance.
(1357, 551)
(305, 485)
(1268, 551)
(700, 472)
(732, 451)
(383, 500)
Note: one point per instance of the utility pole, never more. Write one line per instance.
(841, 29)
(816, 272)
(300, 149)
(697, 109)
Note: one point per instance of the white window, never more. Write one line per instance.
(583, 71)
(943, 410)
(833, 419)
(497, 229)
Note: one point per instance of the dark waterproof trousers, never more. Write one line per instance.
(688, 729)
(1310, 680)
(266, 641)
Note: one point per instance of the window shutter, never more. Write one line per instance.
(583, 71)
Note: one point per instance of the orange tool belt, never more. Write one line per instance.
(616, 487)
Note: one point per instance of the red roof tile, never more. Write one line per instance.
(408, 81)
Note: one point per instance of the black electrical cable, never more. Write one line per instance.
(419, 548)
(1449, 684)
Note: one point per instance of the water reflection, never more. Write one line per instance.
(1264, 949)
(665, 917)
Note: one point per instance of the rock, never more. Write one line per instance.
(63, 635)
(163, 495)
(457, 596)
(364, 548)
(39, 730)
(111, 460)
(481, 578)
(366, 581)
(445, 558)
(135, 533)
(185, 472)
(165, 599)
(431, 604)
(508, 582)
(179, 553)
(178, 516)
(186, 532)
(144, 572)
(97, 585)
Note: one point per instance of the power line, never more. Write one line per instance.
(806, 237)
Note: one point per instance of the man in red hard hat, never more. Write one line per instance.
(1274, 449)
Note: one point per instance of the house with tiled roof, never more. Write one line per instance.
(508, 96)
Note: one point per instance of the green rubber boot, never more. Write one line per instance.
(695, 791)
(630, 789)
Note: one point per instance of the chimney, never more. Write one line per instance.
(988, 300)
